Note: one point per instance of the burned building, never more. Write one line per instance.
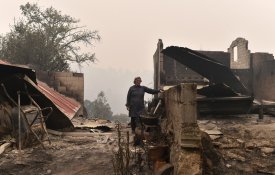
(254, 70)
(36, 101)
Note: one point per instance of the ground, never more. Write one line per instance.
(65, 155)
(247, 146)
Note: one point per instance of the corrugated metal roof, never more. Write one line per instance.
(9, 68)
(65, 104)
(4, 62)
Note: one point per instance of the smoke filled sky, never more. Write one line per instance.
(130, 31)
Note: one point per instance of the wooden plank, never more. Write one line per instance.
(4, 146)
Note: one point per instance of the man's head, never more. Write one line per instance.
(137, 81)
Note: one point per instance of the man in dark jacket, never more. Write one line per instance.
(135, 101)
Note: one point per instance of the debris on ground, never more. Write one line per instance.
(245, 146)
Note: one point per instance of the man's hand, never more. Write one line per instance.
(127, 107)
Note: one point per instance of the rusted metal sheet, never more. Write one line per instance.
(214, 71)
(67, 105)
(64, 108)
(4, 62)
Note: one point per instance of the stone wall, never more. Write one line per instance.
(250, 68)
(67, 83)
(263, 78)
(174, 73)
(70, 84)
(180, 123)
(168, 71)
(264, 81)
(158, 64)
(242, 57)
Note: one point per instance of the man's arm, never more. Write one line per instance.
(151, 91)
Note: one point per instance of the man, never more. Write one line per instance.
(135, 101)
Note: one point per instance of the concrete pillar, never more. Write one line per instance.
(181, 114)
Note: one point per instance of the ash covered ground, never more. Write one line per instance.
(245, 146)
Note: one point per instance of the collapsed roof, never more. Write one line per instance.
(225, 93)
(17, 78)
(213, 70)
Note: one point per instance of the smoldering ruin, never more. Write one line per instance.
(216, 116)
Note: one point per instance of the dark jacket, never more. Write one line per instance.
(135, 99)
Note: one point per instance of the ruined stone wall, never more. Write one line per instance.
(70, 84)
(239, 54)
(168, 71)
(264, 79)
(240, 62)
(247, 66)
(180, 123)
(67, 83)
(174, 73)
(262, 64)
(158, 65)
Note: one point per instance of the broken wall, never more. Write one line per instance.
(240, 62)
(263, 78)
(239, 54)
(158, 64)
(168, 71)
(180, 124)
(253, 69)
(67, 83)
(249, 68)
(174, 73)
(264, 81)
